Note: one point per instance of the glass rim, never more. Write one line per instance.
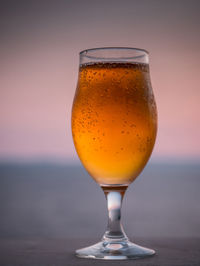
(86, 51)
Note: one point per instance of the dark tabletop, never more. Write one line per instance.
(60, 252)
(49, 211)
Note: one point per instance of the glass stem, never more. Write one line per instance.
(114, 197)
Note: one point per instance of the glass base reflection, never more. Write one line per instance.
(117, 250)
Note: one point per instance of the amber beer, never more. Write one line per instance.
(114, 120)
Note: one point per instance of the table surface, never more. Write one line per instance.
(49, 211)
(60, 252)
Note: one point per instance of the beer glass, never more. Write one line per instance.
(114, 124)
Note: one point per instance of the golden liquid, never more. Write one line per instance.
(114, 120)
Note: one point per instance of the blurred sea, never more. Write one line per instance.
(52, 200)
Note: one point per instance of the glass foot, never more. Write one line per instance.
(114, 251)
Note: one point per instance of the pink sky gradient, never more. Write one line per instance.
(39, 69)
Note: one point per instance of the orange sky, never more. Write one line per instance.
(38, 76)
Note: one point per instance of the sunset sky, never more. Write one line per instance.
(39, 51)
